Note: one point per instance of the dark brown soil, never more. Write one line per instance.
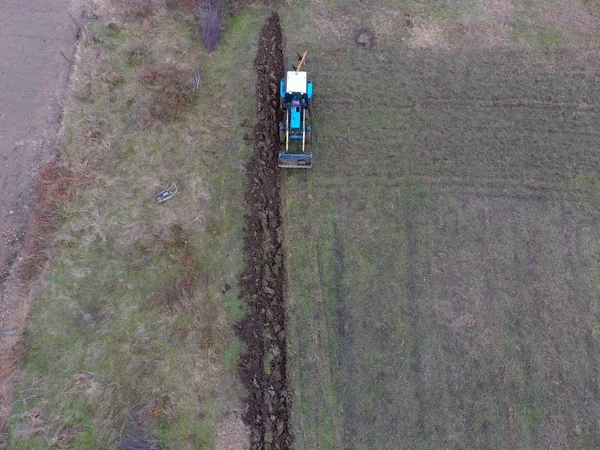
(263, 364)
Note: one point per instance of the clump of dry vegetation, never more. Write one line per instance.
(52, 190)
(172, 91)
(134, 442)
(209, 14)
(211, 30)
(137, 53)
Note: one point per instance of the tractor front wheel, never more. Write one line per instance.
(281, 136)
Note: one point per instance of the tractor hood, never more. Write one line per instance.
(296, 82)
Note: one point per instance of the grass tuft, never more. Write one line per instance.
(211, 30)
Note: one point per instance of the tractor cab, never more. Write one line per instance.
(296, 96)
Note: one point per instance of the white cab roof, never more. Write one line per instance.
(295, 82)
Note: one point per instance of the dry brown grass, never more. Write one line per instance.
(390, 25)
(496, 10)
(142, 282)
(232, 433)
(488, 26)
(134, 442)
(573, 16)
(332, 25)
(187, 5)
(53, 189)
(173, 92)
(427, 35)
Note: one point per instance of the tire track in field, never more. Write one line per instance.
(415, 313)
(508, 103)
(496, 187)
(490, 293)
(573, 243)
(346, 356)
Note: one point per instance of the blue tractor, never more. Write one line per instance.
(296, 97)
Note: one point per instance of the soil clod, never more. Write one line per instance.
(365, 39)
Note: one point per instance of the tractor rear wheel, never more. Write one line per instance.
(308, 137)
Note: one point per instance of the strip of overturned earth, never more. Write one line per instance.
(263, 363)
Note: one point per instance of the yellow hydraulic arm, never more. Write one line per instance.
(302, 59)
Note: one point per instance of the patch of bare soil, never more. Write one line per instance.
(263, 363)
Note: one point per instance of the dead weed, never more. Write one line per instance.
(333, 25)
(232, 434)
(52, 190)
(173, 91)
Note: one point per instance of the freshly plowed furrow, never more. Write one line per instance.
(263, 363)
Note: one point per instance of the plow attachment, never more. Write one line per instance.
(295, 160)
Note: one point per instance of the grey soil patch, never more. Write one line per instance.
(14, 240)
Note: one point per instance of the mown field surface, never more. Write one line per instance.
(443, 254)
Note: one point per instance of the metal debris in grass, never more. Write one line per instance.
(167, 193)
(196, 73)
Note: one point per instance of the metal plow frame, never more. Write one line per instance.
(295, 160)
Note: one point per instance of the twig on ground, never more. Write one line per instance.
(196, 73)
(65, 56)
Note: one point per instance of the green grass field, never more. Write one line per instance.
(443, 253)
(130, 330)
